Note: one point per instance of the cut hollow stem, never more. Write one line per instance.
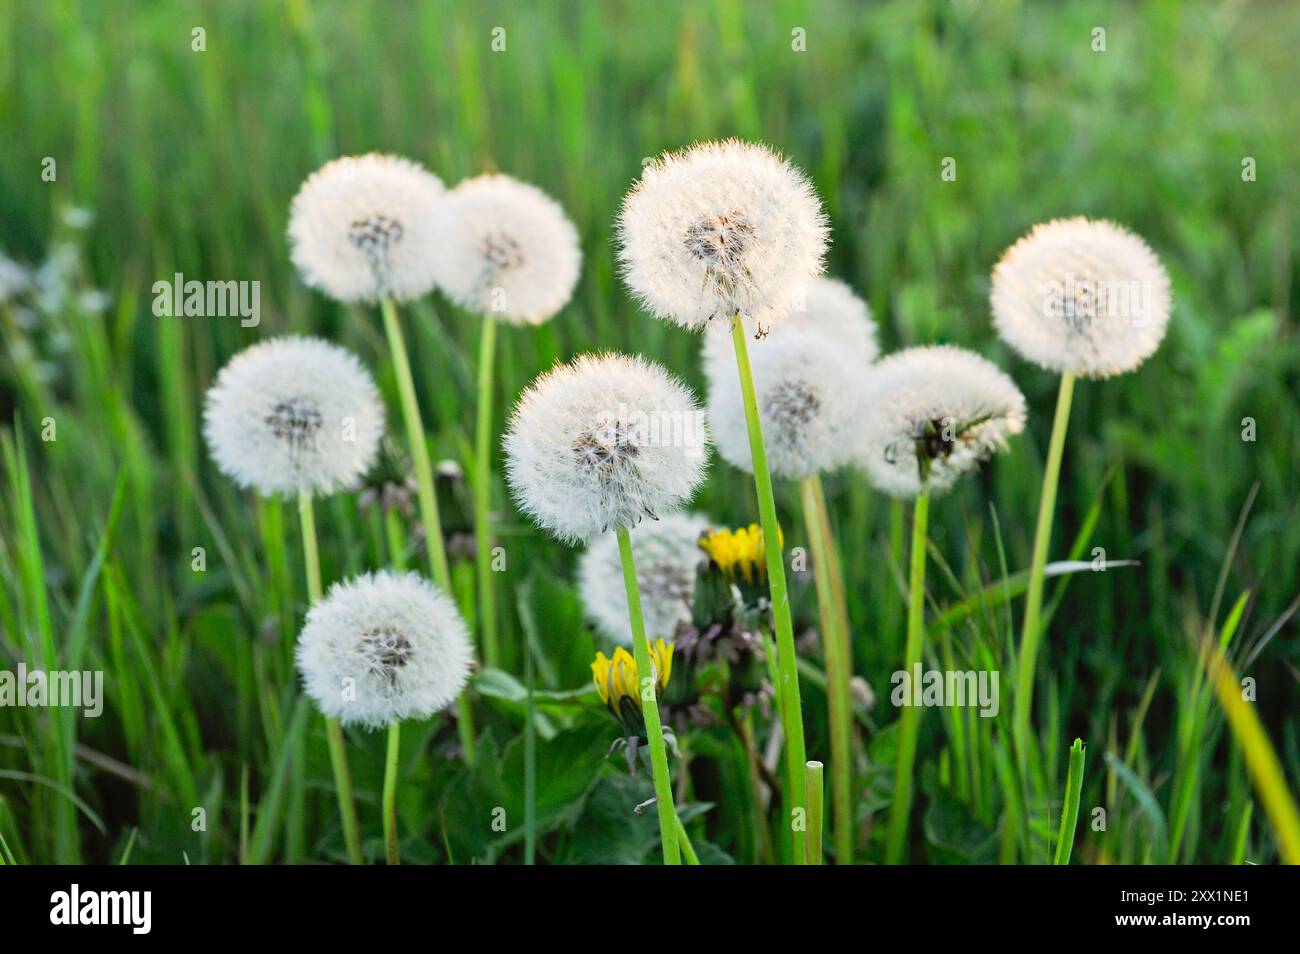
(835, 646)
(333, 731)
(813, 846)
(483, 495)
(390, 793)
(646, 683)
(910, 717)
(1032, 633)
(788, 687)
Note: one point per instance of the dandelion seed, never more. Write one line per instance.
(294, 414)
(363, 228)
(1083, 297)
(603, 442)
(384, 647)
(932, 414)
(719, 229)
(667, 555)
(809, 395)
(507, 249)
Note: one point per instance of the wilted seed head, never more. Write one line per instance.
(618, 686)
(667, 555)
(931, 414)
(718, 229)
(1088, 297)
(293, 414)
(809, 393)
(362, 228)
(602, 442)
(384, 647)
(506, 249)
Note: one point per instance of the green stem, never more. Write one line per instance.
(788, 689)
(1034, 594)
(910, 718)
(530, 759)
(835, 645)
(483, 494)
(390, 793)
(688, 850)
(433, 542)
(649, 705)
(813, 846)
(1070, 810)
(333, 731)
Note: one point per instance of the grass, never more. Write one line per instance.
(122, 550)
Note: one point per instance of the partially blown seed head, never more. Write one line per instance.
(362, 228)
(293, 414)
(602, 442)
(667, 554)
(718, 229)
(932, 414)
(1088, 297)
(384, 647)
(507, 249)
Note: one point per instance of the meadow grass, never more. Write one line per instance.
(189, 159)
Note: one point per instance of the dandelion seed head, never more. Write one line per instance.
(932, 414)
(1083, 296)
(507, 249)
(667, 554)
(809, 395)
(721, 228)
(603, 442)
(363, 228)
(294, 414)
(383, 647)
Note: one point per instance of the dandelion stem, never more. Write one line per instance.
(433, 543)
(390, 793)
(688, 850)
(1034, 594)
(835, 645)
(649, 705)
(530, 758)
(788, 690)
(333, 731)
(813, 846)
(1070, 810)
(910, 719)
(483, 494)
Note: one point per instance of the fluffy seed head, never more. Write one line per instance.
(292, 414)
(809, 399)
(721, 228)
(384, 647)
(667, 554)
(601, 442)
(1083, 296)
(362, 228)
(507, 249)
(931, 415)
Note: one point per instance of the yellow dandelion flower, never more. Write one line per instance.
(739, 554)
(617, 681)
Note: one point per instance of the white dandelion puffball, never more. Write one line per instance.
(383, 647)
(667, 554)
(1082, 296)
(294, 414)
(601, 442)
(810, 402)
(718, 229)
(933, 413)
(362, 228)
(829, 307)
(507, 249)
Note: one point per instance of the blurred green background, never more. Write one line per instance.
(188, 160)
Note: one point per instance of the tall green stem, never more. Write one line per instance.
(1070, 810)
(813, 846)
(791, 707)
(1034, 595)
(910, 718)
(333, 731)
(835, 644)
(483, 494)
(646, 679)
(433, 543)
(390, 793)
